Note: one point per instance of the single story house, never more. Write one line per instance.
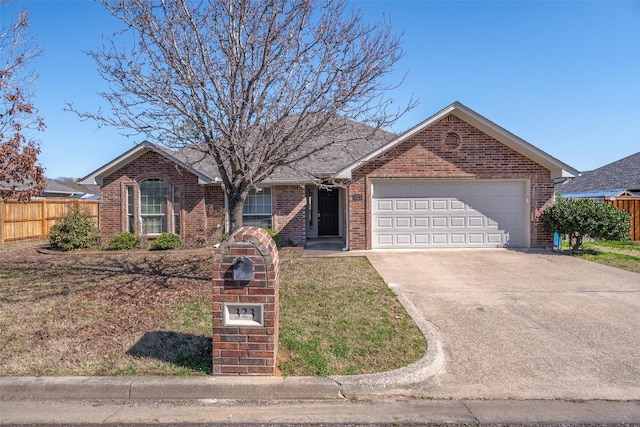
(454, 180)
(620, 178)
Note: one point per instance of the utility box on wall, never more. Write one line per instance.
(245, 304)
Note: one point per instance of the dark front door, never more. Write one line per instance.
(328, 212)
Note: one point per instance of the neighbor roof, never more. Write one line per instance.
(556, 167)
(621, 175)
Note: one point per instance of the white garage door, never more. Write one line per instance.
(485, 214)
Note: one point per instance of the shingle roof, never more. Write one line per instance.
(623, 174)
(356, 140)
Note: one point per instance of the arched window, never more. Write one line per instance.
(153, 206)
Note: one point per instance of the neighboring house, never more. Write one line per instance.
(454, 180)
(620, 178)
(57, 189)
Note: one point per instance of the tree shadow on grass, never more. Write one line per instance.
(186, 350)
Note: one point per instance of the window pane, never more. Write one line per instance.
(257, 208)
(130, 210)
(153, 206)
(257, 220)
(153, 224)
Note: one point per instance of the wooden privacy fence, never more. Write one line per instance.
(33, 219)
(631, 205)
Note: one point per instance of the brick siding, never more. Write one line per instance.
(288, 203)
(425, 156)
(197, 223)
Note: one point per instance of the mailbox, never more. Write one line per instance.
(242, 269)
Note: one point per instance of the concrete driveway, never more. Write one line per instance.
(522, 325)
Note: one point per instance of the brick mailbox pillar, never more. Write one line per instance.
(245, 304)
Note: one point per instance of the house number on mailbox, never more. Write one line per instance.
(243, 314)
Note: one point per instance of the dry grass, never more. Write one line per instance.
(149, 313)
(104, 313)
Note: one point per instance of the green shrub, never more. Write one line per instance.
(580, 218)
(77, 230)
(280, 241)
(166, 241)
(123, 242)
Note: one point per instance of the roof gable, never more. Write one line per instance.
(556, 167)
(181, 159)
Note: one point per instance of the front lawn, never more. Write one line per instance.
(620, 254)
(149, 313)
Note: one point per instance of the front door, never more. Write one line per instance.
(328, 223)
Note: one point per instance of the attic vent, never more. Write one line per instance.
(451, 141)
(451, 118)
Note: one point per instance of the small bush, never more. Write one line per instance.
(580, 218)
(281, 242)
(76, 230)
(123, 242)
(166, 241)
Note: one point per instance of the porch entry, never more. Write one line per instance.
(324, 212)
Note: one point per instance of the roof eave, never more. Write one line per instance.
(96, 177)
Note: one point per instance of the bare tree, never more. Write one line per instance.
(247, 83)
(21, 177)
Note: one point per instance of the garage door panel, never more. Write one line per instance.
(476, 239)
(384, 205)
(439, 222)
(421, 239)
(421, 205)
(456, 214)
(439, 205)
(383, 222)
(476, 221)
(457, 205)
(458, 222)
(403, 239)
(403, 205)
(403, 222)
(421, 222)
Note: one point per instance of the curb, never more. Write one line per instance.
(167, 388)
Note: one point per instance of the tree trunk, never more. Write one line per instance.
(236, 208)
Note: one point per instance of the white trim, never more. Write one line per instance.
(96, 177)
(556, 167)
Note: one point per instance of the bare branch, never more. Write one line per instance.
(257, 85)
(20, 175)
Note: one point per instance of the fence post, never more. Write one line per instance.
(1, 222)
(43, 211)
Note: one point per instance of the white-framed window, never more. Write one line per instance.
(153, 206)
(257, 208)
(131, 213)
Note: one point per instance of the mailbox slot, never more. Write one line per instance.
(242, 269)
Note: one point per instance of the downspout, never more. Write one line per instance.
(346, 223)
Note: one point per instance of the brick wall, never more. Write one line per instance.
(197, 223)
(425, 156)
(288, 203)
(252, 349)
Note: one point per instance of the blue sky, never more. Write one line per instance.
(563, 75)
